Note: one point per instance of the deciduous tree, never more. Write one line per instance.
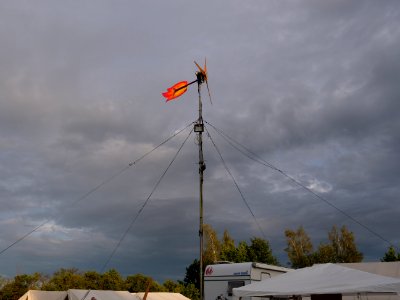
(65, 279)
(299, 248)
(172, 286)
(391, 255)
(212, 248)
(341, 248)
(260, 251)
(228, 249)
(191, 292)
(344, 246)
(139, 283)
(192, 275)
(92, 280)
(14, 289)
(242, 252)
(112, 280)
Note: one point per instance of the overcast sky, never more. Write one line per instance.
(312, 87)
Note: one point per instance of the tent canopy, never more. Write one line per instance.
(75, 294)
(321, 279)
(44, 295)
(161, 296)
(99, 295)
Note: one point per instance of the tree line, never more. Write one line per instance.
(339, 248)
(72, 278)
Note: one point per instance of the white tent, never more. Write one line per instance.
(161, 296)
(99, 295)
(44, 295)
(74, 294)
(321, 279)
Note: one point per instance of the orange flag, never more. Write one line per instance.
(176, 90)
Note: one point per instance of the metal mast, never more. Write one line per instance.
(199, 129)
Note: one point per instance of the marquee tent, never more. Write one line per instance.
(321, 279)
(161, 296)
(74, 294)
(44, 295)
(99, 295)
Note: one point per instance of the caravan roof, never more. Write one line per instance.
(239, 269)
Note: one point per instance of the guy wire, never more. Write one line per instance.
(234, 181)
(260, 160)
(87, 194)
(144, 204)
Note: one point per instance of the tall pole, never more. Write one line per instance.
(199, 129)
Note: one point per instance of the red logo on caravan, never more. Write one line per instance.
(209, 271)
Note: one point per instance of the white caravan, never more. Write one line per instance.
(220, 279)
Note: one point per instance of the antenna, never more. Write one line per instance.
(174, 92)
(199, 129)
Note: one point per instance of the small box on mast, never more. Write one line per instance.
(198, 127)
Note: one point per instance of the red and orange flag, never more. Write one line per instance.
(176, 90)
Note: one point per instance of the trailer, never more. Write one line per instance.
(220, 279)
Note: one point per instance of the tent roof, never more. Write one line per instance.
(161, 296)
(74, 294)
(43, 295)
(99, 295)
(321, 279)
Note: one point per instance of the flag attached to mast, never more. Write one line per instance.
(181, 87)
(176, 90)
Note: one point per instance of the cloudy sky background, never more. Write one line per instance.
(310, 86)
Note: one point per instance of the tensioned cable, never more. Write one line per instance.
(231, 141)
(87, 194)
(140, 210)
(144, 204)
(260, 160)
(234, 181)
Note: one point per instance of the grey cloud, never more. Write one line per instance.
(310, 86)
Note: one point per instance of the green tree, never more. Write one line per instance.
(242, 252)
(260, 251)
(192, 275)
(344, 246)
(92, 280)
(228, 249)
(65, 279)
(112, 280)
(139, 283)
(299, 248)
(191, 292)
(341, 248)
(212, 249)
(3, 281)
(324, 254)
(14, 289)
(172, 286)
(225, 249)
(391, 255)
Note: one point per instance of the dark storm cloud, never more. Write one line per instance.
(310, 86)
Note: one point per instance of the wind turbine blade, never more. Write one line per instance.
(204, 72)
(209, 95)
(201, 70)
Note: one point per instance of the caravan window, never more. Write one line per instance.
(234, 284)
